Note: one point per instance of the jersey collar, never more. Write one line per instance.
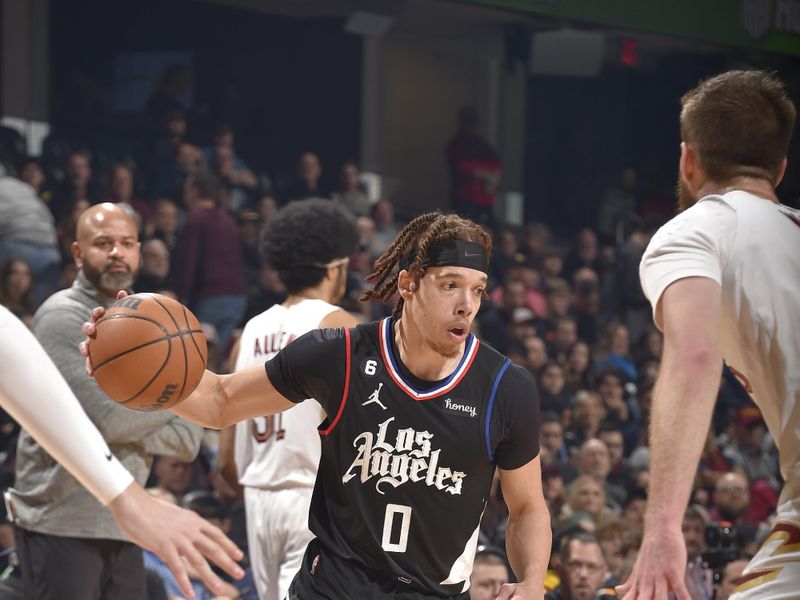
(391, 362)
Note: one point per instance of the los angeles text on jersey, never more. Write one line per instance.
(408, 458)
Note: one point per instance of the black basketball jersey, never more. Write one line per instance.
(406, 465)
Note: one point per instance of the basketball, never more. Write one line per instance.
(149, 352)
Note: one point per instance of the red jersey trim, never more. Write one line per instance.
(346, 385)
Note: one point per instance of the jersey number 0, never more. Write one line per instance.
(401, 543)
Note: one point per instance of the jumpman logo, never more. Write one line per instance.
(375, 397)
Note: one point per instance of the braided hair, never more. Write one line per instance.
(418, 236)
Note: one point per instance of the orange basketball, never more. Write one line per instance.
(149, 352)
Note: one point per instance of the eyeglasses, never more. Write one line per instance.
(576, 565)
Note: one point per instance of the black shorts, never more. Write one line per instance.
(327, 577)
(56, 568)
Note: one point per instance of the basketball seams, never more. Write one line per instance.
(129, 316)
(126, 370)
(169, 336)
(155, 376)
(126, 316)
(183, 344)
(192, 331)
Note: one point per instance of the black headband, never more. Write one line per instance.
(451, 253)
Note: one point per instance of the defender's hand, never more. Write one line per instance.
(181, 538)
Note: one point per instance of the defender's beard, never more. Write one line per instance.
(685, 197)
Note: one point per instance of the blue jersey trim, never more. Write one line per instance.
(491, 405)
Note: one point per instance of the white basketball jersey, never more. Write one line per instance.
(281, 451)
(751, 247)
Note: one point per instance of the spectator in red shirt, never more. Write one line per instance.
(209, 267)
(475, 169)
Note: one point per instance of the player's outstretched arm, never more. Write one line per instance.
(219, 400)
(33, 391)
(681, 415)
(223, 400)
(176, 535)
(528, 536)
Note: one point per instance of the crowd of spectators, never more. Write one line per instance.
(568, 308)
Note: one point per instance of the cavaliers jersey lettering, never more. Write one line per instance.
(407, 465)
(268, 345)
(279, 451)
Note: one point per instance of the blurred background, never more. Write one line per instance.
(570, 93)
(552, 122)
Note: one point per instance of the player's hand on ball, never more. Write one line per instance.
(181, 538)
(146, 351)
(89, 330)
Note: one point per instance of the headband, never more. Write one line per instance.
(336, 262)
(451, 253)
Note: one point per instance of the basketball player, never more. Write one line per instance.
(33, 391)
(723, 278)
(419, 414)
(307, 243)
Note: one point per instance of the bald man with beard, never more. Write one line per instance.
(68, 543)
